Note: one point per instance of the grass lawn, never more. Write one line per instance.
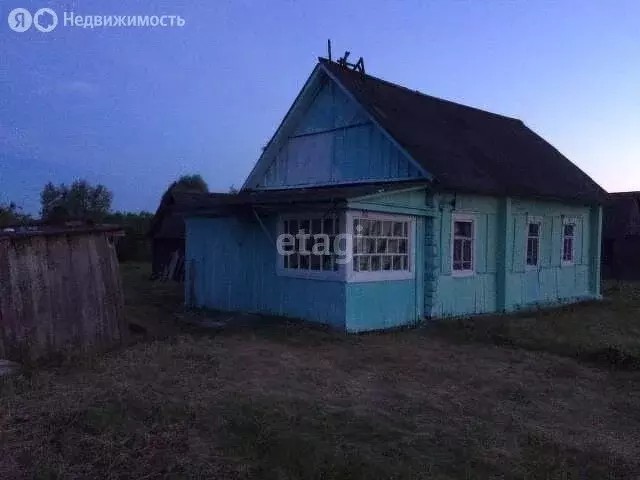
(290, 401)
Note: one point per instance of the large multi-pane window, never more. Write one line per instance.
(381, 245)
(463, 239)
(313, 246)
(568, 242)
(533, 244)
(354, 246)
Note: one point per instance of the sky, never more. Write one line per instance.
(135, 108)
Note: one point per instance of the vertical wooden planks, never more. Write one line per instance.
(59, 293)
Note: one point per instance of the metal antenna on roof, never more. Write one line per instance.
(329, 49)
(357, 67)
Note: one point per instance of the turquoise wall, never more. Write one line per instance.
(388, 304)
(231, 265)
(335, 142)
(473, 294)
(502, 281)
(382, 305)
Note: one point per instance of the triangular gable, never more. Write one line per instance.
(328, 138)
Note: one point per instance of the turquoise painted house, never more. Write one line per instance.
(375, 206)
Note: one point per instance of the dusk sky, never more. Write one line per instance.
(134, 108)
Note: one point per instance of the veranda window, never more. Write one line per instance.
(313, 247)
(380, 245)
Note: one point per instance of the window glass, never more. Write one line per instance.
(533, 244)
(463, 246)
(321, 231)
(380, 245)
(568, 242)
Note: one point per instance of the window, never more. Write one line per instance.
(352, 247)
(533, 244)
(568, 242)
(463, 237)
(313, 246)
(381, 245)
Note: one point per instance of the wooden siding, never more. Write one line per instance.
(391, 303)
(59, 294)
(335, 142)
(502, 282)
(382, 305)
(231, 265)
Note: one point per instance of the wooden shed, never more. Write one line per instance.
(167, 232)
(621, 236)
(60, 291)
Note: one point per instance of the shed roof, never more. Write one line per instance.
(51, 230)
(333, 194)
(465, 148)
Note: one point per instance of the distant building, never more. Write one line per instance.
(448, 210)
(167, 233)
(621, 236)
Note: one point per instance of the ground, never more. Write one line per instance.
(548, 395)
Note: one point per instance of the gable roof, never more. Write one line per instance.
(467, 149)
(621, 215)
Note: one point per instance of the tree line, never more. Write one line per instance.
(93, 203)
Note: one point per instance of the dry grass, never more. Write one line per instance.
(293, 402)
(606, 333)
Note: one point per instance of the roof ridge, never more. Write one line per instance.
(323, 60)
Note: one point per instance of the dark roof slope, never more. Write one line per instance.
(468, 149)
(621, 215)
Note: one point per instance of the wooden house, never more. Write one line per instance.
(439, 210)
(60, 291)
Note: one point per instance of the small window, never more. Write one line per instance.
(568, 242)
(463, 246)
(314, 246)
(533, 244)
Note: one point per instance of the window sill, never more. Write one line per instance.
(567, 264)
(382, 276)
(311, 275)
(463, 273)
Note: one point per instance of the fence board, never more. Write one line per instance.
(59, 294)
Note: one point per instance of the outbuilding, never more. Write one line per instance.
(621, 236)
(60, 291)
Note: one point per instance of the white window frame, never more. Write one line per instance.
(462, 217)
(565, 222)
(333, 275)
(353, 276)
(530, 221)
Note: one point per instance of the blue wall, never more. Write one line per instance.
(501, 280)
(235, 269)
(231, 264)
(388, 304)
(381, 305)
(335, 142)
